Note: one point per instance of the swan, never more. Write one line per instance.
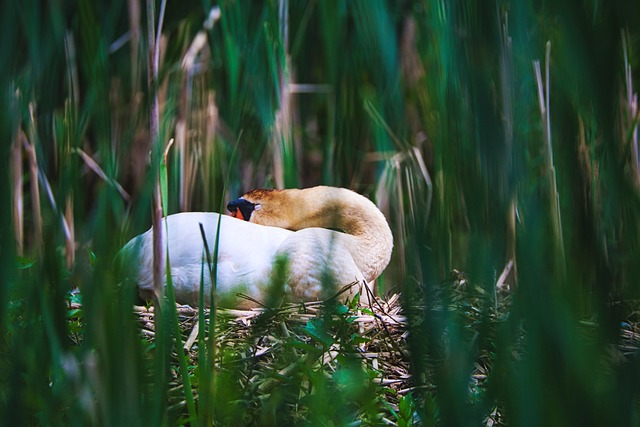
(322, 232)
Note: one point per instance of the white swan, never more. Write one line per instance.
(324, 232)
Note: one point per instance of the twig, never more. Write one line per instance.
(95, 167)
(504, 274)
(192, 336)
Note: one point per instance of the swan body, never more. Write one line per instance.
(237, 266)
(326, 234)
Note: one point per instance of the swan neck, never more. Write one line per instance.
(369, 237)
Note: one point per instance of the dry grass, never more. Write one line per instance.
(256, 336)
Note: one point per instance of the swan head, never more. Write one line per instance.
(241, 208)
(266, 207)
(292, 208)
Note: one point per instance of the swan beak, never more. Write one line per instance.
(237, 213)
(241, 209)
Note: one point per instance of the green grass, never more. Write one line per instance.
(430, 107)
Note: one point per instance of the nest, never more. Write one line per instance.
(255, 345)
(250, 342)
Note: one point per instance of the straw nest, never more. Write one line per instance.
(257, 335)
(256, 339)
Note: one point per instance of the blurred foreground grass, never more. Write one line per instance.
(499, 138)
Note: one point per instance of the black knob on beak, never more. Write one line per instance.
(241, 208)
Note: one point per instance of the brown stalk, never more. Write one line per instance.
(281, 134)
(70, 238)
(134, 30)
(30, 150)
(95, 167)
(185, 164)
(632, 111)
(506, 80)
(554, 197)
(18, 192)
(52, 201)
(35, 194)
(154, 124)
(211, 126)
(281, 139)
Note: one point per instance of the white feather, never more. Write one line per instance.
(245, 255)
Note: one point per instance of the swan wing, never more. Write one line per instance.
(245, 254)
(320, 263)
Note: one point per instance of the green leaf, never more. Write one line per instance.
(353, 304)
(92, 257)
(164, 187)
(77, 312)
(368, 311)
(75, 297)
(357, 339)
(342, 309)
(24, 263)
(301, 345)
(316, 330)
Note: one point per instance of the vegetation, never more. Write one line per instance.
(500, 139)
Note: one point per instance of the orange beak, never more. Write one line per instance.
(236, 213)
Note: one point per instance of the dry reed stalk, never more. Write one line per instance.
(154, 128)
(165, 153)
(590, 172)
(281, 133)
(72, 70)
(186, 166)
(199, 42)
(95, 167)
(66, 228)
(281, 140)
(506, 82)
(71, 108)
(632, 113)
(33, 176)
(134, 43)
(554, 197)
(17, 210)
(505, 273)
(211, 127)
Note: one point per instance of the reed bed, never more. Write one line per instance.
(500, 140)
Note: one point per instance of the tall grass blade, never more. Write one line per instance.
(207, 335)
